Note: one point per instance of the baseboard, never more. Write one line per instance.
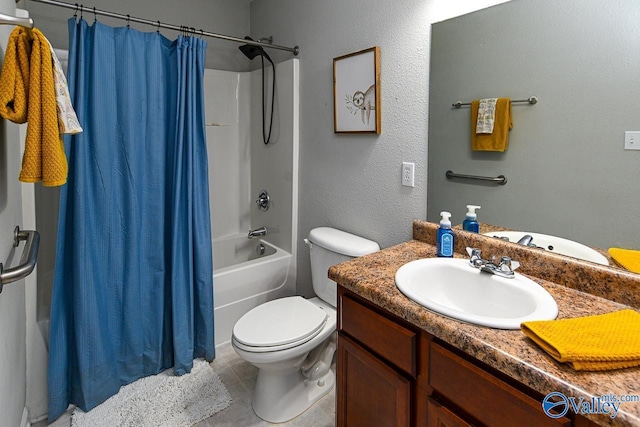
(24, 422)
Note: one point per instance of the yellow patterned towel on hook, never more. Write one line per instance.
(627, 258)
(592, 343)
(27, 94)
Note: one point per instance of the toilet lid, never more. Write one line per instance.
(278, 322)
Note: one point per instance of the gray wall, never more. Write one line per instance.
(228, 17)
(567, 171)
(352, 182)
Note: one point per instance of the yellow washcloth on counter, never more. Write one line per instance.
(502, 124)
(591, 343)
(27, 93)
(626, 258)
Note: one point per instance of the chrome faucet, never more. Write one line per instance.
(526, 240)
(505, 268)
(262, 231)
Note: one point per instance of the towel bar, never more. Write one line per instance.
(531, 100)
(27, 260)
(500, 179)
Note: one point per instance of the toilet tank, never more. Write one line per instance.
(329, 246)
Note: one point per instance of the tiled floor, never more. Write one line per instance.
(240, 377)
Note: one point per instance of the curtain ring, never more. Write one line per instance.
(158, 29)
(95, 15)
(201, 33)
(128, 21)
(81, 11)
(75, 12)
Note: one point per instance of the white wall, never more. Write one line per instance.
(352, 182)
(240, 164)
(227, 111)
(274, 166)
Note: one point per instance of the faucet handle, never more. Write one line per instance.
(507, 264)
(473, 252)
(475, 257)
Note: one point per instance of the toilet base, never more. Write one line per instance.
(280, 397)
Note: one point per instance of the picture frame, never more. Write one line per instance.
(356, 92)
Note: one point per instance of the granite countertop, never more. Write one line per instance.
(510, 352)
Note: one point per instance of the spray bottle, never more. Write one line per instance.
(444, 239)
(470, 223)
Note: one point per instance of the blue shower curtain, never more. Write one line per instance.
(133, 291)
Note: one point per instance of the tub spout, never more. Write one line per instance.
(262, 231)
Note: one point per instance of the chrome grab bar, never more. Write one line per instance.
(500, 179)
(27, 260)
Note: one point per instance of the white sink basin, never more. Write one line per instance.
(556, 245)
(455, 289)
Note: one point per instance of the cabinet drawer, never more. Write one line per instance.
(387, 339)
(481, 395)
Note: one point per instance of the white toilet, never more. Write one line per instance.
(292, 340)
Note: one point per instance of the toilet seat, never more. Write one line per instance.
(279, 324)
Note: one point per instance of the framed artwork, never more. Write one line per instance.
(356, 92)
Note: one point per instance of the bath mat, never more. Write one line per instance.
(161, 400)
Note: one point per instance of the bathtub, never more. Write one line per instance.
(247, 273)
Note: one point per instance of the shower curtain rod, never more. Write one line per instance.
(295, 50)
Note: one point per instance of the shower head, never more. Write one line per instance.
(251, 51)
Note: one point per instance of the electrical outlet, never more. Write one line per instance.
(631, 140)
(408, 174)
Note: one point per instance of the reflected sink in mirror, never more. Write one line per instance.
(554, 244)
(452, 287)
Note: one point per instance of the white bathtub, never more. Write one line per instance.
(243, 279)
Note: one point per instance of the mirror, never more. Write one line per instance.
(567, 170)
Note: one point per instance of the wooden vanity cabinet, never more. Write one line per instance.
(391, 373)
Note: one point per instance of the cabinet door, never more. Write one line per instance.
(440, 416)
(369, 393)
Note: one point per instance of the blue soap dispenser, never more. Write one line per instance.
(444, 239)
(470, 223)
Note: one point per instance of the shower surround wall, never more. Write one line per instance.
(240, 167)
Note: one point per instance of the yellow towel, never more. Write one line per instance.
(591, 343)
(627, 258)
(27, 94)
(499, 139)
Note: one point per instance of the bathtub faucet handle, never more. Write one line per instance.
(263, 201)
(262, 231)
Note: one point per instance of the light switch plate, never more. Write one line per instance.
(632, 140)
